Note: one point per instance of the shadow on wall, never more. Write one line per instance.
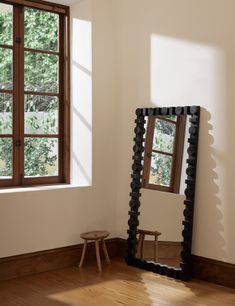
(186, 73)
(207, 196)
(208, 206)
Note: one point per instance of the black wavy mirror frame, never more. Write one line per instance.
(184, 272)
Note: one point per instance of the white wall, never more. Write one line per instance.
(39, 220)
(181, 52)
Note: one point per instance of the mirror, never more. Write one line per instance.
(163, 185)
(164, 175)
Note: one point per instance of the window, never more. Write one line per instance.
(34, 119)
(163, 152)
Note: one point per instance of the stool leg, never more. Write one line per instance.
(155, 249)
(105, 251)
(98, 255)
(83, 254)
(138, 246)
(142, 246)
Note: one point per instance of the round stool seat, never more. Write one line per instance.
(94, 235)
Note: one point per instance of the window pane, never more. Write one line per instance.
(5, 113)
(164, 136)
(5, 68)
(5, 158)
(41, 114)
(6, 24)
(160, 170)
(41, 30)
(41, 157)
(41, 72)
(171, 117)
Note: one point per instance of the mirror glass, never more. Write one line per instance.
(162, 194)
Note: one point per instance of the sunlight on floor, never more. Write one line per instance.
(94, 294)
(145, 289)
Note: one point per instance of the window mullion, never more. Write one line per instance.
(21, 95)
(162, 152)
(61, 95)
(148, 150)
(178, 152)
(16, 94)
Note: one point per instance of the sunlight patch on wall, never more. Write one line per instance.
(184, 73)
(81, 90)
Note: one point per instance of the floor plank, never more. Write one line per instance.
(118, 284)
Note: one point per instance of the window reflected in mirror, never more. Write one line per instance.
(164, 145)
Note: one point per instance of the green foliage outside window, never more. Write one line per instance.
(41, 75)
(6, 24)
(5, 157)
(161, 164)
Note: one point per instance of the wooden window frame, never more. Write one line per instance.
(18, 135)
(177, 154)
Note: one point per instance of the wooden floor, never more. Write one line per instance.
(118, 284)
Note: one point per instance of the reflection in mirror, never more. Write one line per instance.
(159, 234)
(164, 152)
(163, 213)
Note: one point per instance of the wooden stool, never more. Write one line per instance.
(95, 236)
(140, 246)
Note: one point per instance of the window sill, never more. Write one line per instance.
(38, 188)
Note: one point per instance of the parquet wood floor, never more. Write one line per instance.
(118, 284)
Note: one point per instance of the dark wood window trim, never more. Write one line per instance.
(42, 5)
(18, 135)
(177, 154)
